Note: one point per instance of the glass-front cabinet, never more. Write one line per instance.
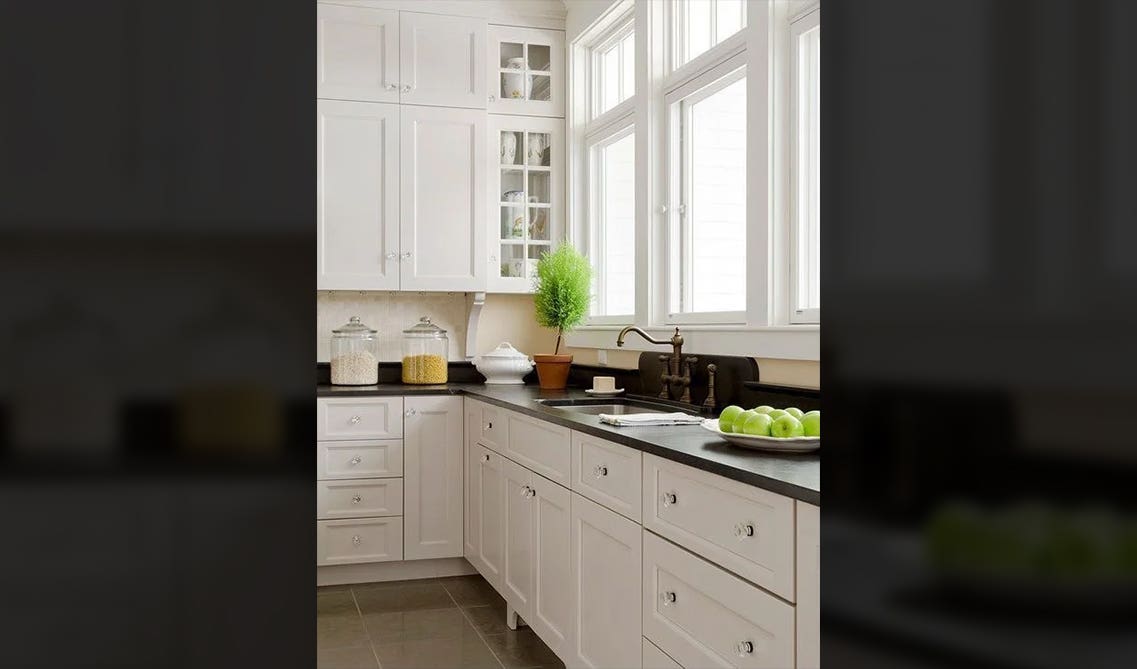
(526, 197)
(527, 71)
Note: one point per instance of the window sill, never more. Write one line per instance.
(788, 342)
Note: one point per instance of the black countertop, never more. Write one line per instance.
(793, 475)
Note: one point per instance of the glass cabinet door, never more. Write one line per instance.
(528, 197)
(526, 71)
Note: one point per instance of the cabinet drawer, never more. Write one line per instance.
(543, 447)
(745, 529)
(492, 428)
(363, 540)
(702, 616)
(607, 473)
(359, 499)
(359, 418)
(359, 459)
(654, 658)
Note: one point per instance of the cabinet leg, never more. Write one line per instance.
(511, 616)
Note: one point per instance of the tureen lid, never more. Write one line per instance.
(505, 350)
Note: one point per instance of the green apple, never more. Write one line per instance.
(811, 423)
(786, 426)
(728, 417)
(765, 408)
(742, 418)
(776, 413)
(795, 412)
(758, 425)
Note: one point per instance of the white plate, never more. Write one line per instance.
(604, 393)
(784, 444)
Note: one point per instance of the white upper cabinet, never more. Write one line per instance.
(357, 194)
(526, 71)
(443, 185)
(357, 53)
(527, 201)
(442, 60)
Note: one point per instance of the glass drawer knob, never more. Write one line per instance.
(356, 500)
(485, 457)
(670, 498)
(356, 460)
(745, 648)
(356, 540)
(599, 471)
(668, 597)
(743, 530)
(354, 420)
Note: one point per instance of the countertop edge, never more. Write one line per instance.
(807, 495)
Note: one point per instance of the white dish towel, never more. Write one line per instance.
(641, 419)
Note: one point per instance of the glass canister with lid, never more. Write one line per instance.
(355, 354)
(425, 352)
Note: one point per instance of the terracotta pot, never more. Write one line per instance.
(552, 370)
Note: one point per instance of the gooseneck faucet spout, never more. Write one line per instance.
(671, 378)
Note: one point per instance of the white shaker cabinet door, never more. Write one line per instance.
(607, 584)
(487, 484)
(357, 53)
(808, 609)
(442, 60)
(432, 461)
(443, 232)
(553, 602)
(517, 569)
(357, 193)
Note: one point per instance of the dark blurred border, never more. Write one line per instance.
(156, 244)
(980, 171)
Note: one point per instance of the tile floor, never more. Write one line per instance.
(454, 622)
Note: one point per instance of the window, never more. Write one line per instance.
(613, 66)
(699, 25)
(805, 224)
(612, 236)
(708, 186)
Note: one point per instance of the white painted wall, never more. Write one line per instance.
(581, 14)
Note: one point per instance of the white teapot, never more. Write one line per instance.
(504, 365)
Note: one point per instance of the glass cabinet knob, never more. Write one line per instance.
(745, 648)
(353, 420)
(668, 598)
(743, 530)
(356, 540)
(670, 498)
(356, 500)
(356, 460)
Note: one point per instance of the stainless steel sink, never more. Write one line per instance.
(617, 406)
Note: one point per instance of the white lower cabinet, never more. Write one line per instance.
(517, 570)
(606, 567)
(359, 540)
(432, 449)
(808, 609)
(551, 615)
(485, 513)
(703, 616)
(654, 658)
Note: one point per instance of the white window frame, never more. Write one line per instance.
(611, 38)
(678, 33)
(767, 330)
(800, 163)
(678, 283)
(595, 141)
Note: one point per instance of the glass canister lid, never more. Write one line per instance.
(424, 328)
(353, 328)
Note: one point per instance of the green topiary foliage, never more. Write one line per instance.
(562, 286)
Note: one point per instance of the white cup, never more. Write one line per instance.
(604, 384)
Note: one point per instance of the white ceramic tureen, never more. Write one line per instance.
(504, 364)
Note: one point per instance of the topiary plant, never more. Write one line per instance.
(562, 285)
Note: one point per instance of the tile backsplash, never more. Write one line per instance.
(390, 313)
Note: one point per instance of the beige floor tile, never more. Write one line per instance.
(339, 631)
(402, 596)
(335, 603)
(467, 651)
(471, 590)
(352, 657)
(521, 648)
(488, 619)
(415, 625)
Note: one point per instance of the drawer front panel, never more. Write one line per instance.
(359, 499)
(654, 658)
(703, 616)
(359, 459)
(359, 418)
(607, 473)
(492, 430)
(356, 541)
(543, 447)
(747, 530)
